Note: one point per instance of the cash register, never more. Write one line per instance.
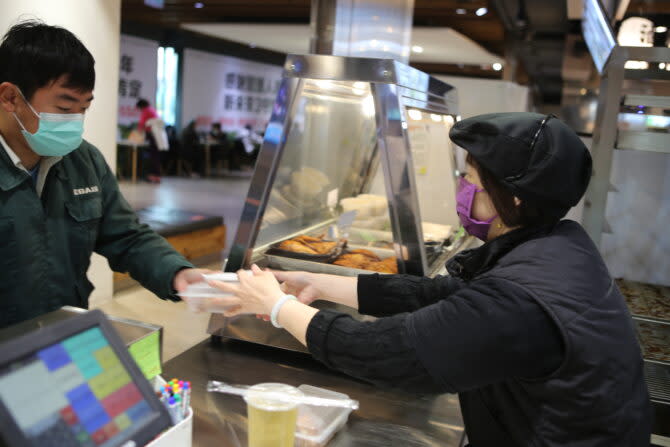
(74, 383)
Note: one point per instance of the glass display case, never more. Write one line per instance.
(356, 175)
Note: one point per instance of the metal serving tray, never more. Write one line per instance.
(293, 264)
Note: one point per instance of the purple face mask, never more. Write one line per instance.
(464, 199)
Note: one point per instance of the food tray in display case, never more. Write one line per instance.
(357, 137)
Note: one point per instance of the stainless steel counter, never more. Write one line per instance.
(385, 417)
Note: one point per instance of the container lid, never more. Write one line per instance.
(264, 396)
(318, 424)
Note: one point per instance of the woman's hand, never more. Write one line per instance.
(302, 285)
(257, 292)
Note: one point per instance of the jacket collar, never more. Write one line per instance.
(469, 264)
(10, 175)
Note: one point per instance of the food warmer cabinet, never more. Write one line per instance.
(357, 156)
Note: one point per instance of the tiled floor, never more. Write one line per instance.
(182, 329)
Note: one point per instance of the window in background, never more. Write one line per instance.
(166, 93)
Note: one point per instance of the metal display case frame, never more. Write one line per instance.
(394, 87)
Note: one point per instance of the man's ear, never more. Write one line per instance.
(517, 201)
(8, 97)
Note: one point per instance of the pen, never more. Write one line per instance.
(172, 409)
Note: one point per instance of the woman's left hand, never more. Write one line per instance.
(258, 292)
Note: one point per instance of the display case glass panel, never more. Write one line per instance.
(328, 153)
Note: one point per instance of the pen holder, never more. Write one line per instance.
(180, 435)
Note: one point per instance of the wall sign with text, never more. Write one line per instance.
(232, 91)
(137, 77)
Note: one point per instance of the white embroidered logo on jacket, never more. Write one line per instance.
(82, 191)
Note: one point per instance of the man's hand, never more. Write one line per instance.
(185, 277)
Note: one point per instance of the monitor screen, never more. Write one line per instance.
(598, 33)
(75, 392)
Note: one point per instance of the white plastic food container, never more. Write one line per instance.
(204, 291)
(317, 425)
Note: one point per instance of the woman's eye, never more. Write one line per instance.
(64, 109)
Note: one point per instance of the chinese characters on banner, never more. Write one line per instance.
(232, 91)
(137, 77)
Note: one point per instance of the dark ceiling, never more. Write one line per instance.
(488, 30)
(533, 31)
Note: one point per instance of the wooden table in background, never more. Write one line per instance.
(133, 145)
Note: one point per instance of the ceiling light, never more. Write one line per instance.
(449, 119)
(636, 65)
(461, 11)
(582, 91)
(661, 65)
(415, 114)
(436, 118)
(417, 49)
(481, 11)
(374, 43)
(199, 5)
(661, 29)
(497, 66)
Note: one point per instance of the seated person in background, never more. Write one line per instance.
(190, 140)
(251, 140)
(245, 149)
(529, 328)
(217, 135)
(219, 148)
(60, 200)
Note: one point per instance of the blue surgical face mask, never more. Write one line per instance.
(57, 135)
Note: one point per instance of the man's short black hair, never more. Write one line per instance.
(142, 103)
(34, 54)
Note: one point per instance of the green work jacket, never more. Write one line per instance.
(46, 242)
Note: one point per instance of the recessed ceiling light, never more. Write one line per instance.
(497, 66)
(417, 49)
(481, 11)
(661, 65)
(582, 91)
(199, 5)
(415, 115)
(461, 11)
(661, 29)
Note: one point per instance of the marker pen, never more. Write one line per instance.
(179, 411)
(172, 409)
(187, 395)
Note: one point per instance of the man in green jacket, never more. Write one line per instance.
(59, 201)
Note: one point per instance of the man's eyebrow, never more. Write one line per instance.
(71, 98)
